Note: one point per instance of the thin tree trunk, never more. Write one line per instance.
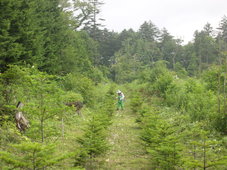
(224, 88)
(219, 92)
(174, 62)
(194, 153)
(33, 160)
(204, 154)
(62, 127)
(42, 130)
(200, 65)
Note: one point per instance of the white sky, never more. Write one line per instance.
(180, 17)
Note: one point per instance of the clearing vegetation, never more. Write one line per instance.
(126, 150)
(61, 107)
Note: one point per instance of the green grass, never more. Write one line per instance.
(126, 150)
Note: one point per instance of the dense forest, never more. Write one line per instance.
(55, 54)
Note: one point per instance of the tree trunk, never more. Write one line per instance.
(174, 62)
(224, 88)
(200, 65)
(219, 92)
(194, 153)
(62, 127)
(204, 154)
(33, 160)
(42, 129)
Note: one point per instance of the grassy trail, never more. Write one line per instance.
(126, 151)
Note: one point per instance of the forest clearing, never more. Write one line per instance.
(75, 95)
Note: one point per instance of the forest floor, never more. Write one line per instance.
(126, 152)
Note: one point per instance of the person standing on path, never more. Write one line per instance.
(120, 100)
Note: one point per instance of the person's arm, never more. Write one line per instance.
(122, 96)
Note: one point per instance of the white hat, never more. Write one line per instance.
(118, 91)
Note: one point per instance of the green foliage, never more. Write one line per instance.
(28, 155)
(191, 96)
(42, 35)
(205, 47)
(160, 140)
(14, 84)
(151, 75)
(201, 105)
(148, 31)
(39, 92)
(13, 80)
(180, 70)
(136, 102)
(71, 96)
(108, 103)
(44, 100)
(202, 149)
(80, 84)
(190, 59)
(169, 48)
(163, 83)
(214, 78)
(9, 134)
(177, 96)
(109, 43)
(93, 143)
(166, 133)
(158, 79)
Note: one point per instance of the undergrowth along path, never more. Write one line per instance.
(127, 152)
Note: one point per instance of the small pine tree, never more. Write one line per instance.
(202, 149)
(92, 144)
(161, 141)
(29, 155)
(136, 103)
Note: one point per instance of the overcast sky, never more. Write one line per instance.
(180, 17)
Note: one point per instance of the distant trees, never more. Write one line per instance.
(149, 44)
(205, 47)
(170, 48)
(148, 31)
(223, 29)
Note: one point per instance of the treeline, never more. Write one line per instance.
(61, 37)
(140, 49)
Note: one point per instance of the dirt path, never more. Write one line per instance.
(126, 150)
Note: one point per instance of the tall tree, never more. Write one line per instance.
(205, 47)
(109, 44)
(20, 35)
(148, 31)
(83, 10)
(93, 24)
(223, 29)
(168, 47)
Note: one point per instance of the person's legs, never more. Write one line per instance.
(122, 105)
(118, 105)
